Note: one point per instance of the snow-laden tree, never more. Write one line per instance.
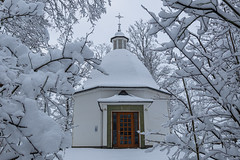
(143, 45)
(205, 121)
(37, 81)
(59, 14)
(101, 50)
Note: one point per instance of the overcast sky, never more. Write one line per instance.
(107, 26)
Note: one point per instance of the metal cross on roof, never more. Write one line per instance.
(119, 24)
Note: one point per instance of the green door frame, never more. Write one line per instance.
(124, 108)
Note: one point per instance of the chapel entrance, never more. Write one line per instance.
(124, 129)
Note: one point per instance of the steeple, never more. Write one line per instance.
(119, 40)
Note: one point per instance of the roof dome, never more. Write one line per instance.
(119, 34)
(124, 69)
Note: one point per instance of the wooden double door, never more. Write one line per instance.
(124, 129)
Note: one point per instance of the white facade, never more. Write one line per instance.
(90, 117)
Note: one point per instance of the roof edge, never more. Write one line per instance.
(118, 37)
(126, 102)
(92, 88)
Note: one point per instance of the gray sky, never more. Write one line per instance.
(107, 26)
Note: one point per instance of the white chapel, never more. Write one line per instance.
(114, 108)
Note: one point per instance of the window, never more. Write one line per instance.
(115, 44)
(124, 44)
(120, 44)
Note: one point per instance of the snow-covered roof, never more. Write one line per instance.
(119, 34)
(124, 98)
(124, 70)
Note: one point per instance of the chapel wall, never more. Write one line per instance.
(87, 115)
(155, 115)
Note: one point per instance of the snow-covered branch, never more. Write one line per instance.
(37, 81)
(205, 115)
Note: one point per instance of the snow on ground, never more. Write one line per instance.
(113, 154)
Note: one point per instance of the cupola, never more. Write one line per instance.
(119, 40)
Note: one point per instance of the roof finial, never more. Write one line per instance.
(119, 24)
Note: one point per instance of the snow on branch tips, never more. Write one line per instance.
(205, 81)
(37, 80)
